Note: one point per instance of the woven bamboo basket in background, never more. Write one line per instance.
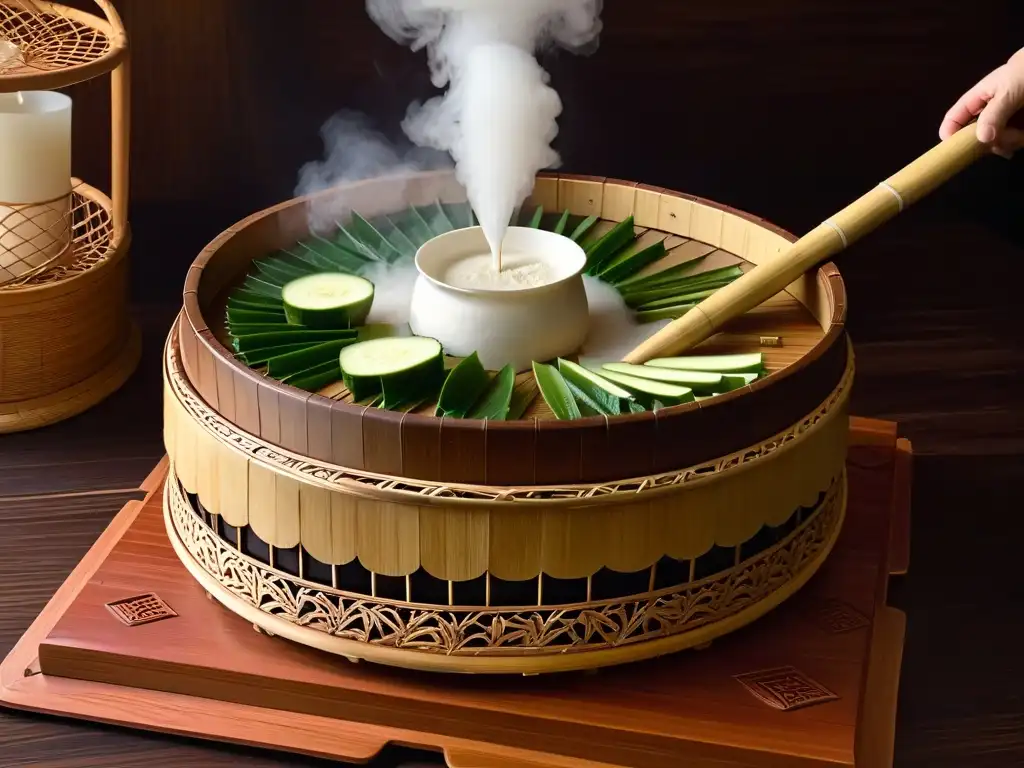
(526, 546)
(66, 339)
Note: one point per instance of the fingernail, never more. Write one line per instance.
(986, 134)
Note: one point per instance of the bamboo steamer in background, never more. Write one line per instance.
(526, 546)
(66, 338)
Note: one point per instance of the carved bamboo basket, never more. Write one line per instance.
(67, 340)
(522, 546)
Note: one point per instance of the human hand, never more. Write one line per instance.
(994, 101)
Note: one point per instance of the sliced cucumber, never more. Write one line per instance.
(731, 381)
(693, 379)
(399, 367)
(462, 388)
(328, 300)
(280, 338)
(747, 362)
(610, 398)
(650, 392)
(304, 359)
(496, 401)
(556, 393)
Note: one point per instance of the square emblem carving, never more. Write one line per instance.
(786, 688)
(141, 609)
(837, 617)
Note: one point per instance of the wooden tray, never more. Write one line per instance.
(812, 684)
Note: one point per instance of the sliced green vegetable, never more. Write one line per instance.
(651, 393)
(397, 367)
(746, 362)
(555, 392)
(617, 238)
(465, 383)
(631, 261)
(496, 400)
(731, 381)
(583, 227)
(305, 359)
(562, 224)
(328, 300)
(693, 379)
(280, 338)
(610, 398)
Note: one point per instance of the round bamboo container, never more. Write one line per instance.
(66, 339)
(525, 546)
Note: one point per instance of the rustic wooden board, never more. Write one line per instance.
(837, 632)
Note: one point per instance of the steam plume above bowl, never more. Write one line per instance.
(499, 114)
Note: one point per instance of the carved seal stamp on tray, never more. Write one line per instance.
(786, 688)
(141, 609)
(837, 617)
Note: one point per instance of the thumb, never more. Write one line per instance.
(995, 116)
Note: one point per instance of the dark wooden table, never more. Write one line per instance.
(950, 375)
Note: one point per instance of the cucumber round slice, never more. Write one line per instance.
(328, 300)
(397, 366)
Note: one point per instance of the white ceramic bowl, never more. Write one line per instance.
(502, 326)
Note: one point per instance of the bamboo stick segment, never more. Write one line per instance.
(884, 202)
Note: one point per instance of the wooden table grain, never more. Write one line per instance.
(950, 375)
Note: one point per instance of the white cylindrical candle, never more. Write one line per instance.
(35, 180)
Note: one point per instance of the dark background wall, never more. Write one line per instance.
(786, 108)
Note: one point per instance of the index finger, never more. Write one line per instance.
(968, 107)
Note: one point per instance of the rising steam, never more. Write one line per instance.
(499, 114)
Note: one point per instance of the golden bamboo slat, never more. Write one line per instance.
(526, 546)
(863, 216)
(66, 337)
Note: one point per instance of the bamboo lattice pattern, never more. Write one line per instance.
(47, 41)
(483, 631)
(92, 240)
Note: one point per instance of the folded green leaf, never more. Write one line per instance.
(463, 387)
(583, 228)
(496, 400)
(556, 392)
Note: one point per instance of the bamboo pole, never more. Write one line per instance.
(918, 179)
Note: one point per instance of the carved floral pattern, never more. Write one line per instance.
(495, 631)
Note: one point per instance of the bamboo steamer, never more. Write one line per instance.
(66, 338)
(527, 546)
